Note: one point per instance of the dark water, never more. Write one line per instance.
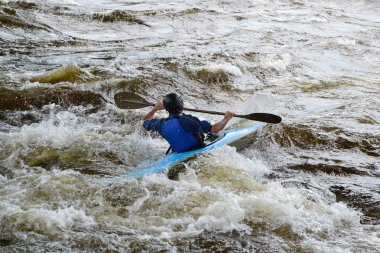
(309, 184)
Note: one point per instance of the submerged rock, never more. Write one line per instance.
(38, 97)
(47, 157)
(118, 16)
(6, 173)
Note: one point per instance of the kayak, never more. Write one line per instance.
(223, 138)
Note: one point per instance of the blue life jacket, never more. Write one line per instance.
(182, 133)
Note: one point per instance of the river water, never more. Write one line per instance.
(309, 184)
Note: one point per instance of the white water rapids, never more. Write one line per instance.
(310, 184)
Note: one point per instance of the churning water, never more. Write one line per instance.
(309, 184)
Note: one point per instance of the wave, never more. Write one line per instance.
(70, 73)
(118, 16)
(36, 98)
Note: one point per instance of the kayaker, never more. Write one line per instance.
(184, 132)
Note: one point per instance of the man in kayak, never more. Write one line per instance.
(184, 132)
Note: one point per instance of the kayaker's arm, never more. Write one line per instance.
(222, 124)
(159, 106)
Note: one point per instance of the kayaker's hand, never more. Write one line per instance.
(228, 115)
(221, 124)
(159, 106)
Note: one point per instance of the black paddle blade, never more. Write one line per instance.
(129, 100)
(263, 117)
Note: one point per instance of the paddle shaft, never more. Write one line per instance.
(191, 110)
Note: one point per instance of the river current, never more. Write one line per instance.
(309, 184)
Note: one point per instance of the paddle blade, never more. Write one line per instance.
(128, 100)
(262, 117)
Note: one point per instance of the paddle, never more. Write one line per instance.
(128, 100)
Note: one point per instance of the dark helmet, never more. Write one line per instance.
(173, 103)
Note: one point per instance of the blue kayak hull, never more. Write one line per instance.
(226, 137)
